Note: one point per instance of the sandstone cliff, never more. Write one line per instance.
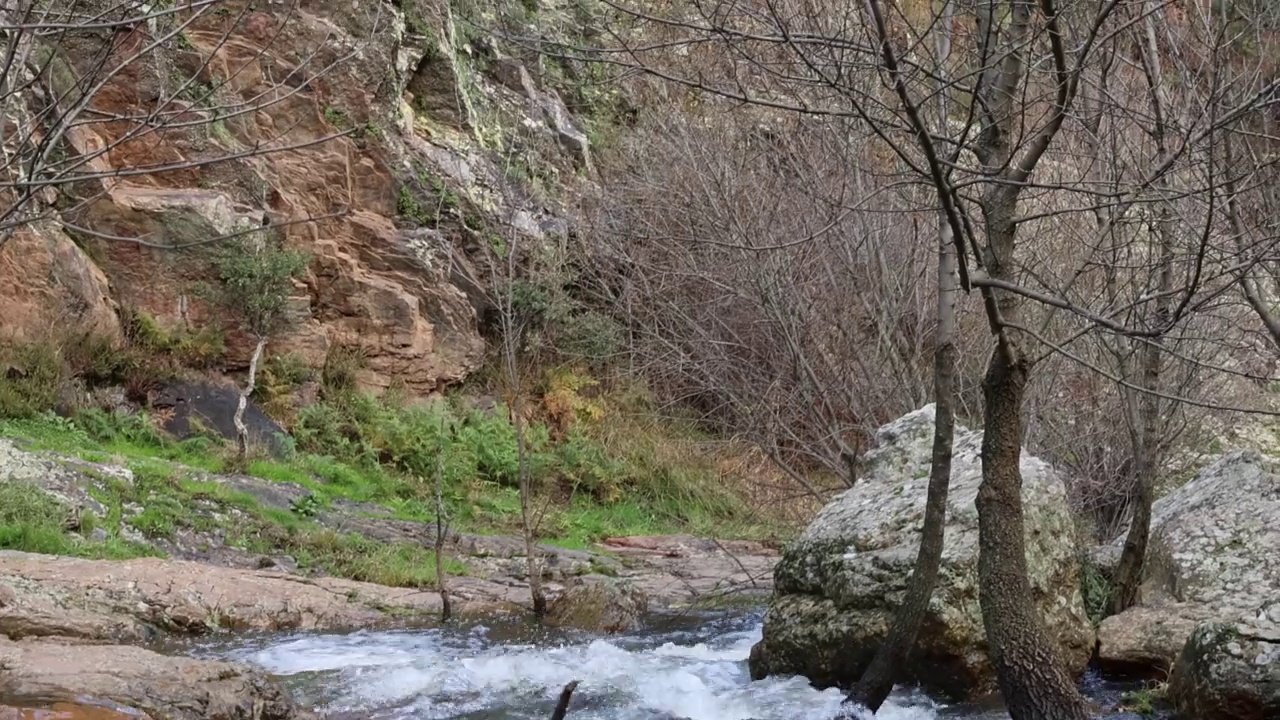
(377, 137)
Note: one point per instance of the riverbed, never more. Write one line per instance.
(681, 666)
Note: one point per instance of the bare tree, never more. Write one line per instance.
(442, 530)
(787, 300)
(515, 302)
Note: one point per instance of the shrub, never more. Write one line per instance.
(278, 378)
(1095, 588)
(101, 360)
(342, 367)
(32, 521)
(132, 428)
(31, 379)
(585, 465)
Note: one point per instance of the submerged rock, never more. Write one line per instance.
(1212, 557)
(156, 685)
(609, 606)
(838, 586)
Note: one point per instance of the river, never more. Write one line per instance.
(690, 666)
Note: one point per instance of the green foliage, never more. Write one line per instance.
(358, 558)
(256, 277)
(342, 366)
(278, 378)
(21, 502)
(336, 117)
(597, 476)
(158, 351)
(407, 206)
(306, 506)
(1095, 588)
(134, 429)
(586, 466)
(1146, 701)
(427, 200)
(32, 521)
(591, 336)
(100, 360)
(31, 379)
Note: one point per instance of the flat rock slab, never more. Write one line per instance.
(152, 685)
(676, 570)
(129, 601)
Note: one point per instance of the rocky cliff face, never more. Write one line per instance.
(370, 135)
(837, 587)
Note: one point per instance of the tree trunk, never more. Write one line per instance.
(442, 580)
(886, 667)
(242, 432)
(533, 566)
(562, 705)
(1029, 669)
(1147, 447)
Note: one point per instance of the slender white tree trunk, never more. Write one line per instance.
(242, 432)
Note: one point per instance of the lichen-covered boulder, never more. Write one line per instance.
(1214, 556)
(607, 605)
(838, 586)
(1230, 671)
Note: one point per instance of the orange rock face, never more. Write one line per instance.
(265, 152)
(47, 282)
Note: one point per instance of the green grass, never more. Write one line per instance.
(32, 521)
(357, 558)
(1146, 701)
(603, 479)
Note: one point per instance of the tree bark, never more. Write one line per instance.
(562, 705)
(1127, 581)
(886, 667)
(532, 564)
(1029, 669)
(242, 432)
(442, 580)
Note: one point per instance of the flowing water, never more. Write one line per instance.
(692, 666)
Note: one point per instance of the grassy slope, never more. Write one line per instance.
(612, 476)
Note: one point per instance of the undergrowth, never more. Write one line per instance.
(33, 521)
(599, 471)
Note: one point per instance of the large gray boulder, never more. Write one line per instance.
(838, 586)
(1230, 671)
(1214, 556)
(1210, 609)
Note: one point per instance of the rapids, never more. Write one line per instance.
(693, 666)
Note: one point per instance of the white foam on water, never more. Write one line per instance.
(398, 676)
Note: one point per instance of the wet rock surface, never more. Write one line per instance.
(607, 606)
(838, 585)
(138, 680)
